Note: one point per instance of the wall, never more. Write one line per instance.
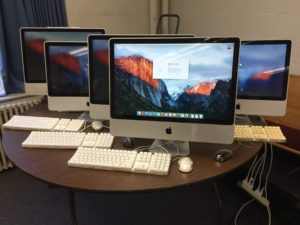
(116, 16)
(256, 19)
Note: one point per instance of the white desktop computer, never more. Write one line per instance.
(99, 71)
(67, 75)
(181, 89)
(32, 43)
(263, 77)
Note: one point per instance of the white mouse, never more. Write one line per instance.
(97, 125)
(185, 164)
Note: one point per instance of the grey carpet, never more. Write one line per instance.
(27, 201)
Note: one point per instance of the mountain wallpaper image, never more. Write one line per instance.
(138, 91)
(262, 70)
(69, 72)
(34, 54)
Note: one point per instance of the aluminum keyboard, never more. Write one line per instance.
(259, 133)
(121, 160)
(67, 140)
(19, 122)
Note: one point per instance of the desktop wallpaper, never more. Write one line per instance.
(100, 72)
(68, 70)
(173, 80)
(262, 70)
(34, 50)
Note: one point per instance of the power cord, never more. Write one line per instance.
(253, 185)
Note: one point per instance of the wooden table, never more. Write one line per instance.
(50, 165)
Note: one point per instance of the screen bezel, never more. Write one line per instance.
(106, 37)
(49, 44)
(232, 90)
(283, 95)
(23, 30)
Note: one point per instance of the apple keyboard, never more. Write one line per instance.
(258, 133)
(67, 140)
(19, 122)
(122, 160)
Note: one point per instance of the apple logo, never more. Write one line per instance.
(169, 130)
(238, 106)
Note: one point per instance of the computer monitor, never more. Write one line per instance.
(67, 75)
(99, 71)
(32, 42)
(180, 89)
(263, 77)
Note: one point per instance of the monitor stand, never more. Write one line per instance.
(85, 116)
(250, 120)
(176, 148)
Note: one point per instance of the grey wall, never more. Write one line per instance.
(250, 20)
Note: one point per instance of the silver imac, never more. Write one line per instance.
(181, 89)
(99, 71)
(67, 75)
(263, 77)
(32, 43)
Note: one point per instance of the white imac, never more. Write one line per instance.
(99, 71)
(32, 43)
(263, 77)
(181, 89)
(67, 75)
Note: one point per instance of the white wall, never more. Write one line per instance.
(116, 16)
(251, 19)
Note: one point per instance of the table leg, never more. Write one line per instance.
(72, 207)
(220, 203)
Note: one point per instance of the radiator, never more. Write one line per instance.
(8, 110)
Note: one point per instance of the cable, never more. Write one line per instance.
(240, 210)
(269, 171)
(263, 166)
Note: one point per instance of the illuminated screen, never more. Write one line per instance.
(262, 71)
(189, 82)
(33, 49)
(67, 69)
(99, 72)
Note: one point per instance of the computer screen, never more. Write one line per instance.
(67, 75)
(32, 41)
(99, 71)
(174, 89)
(263, 77)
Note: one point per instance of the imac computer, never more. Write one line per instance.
(180, 89)
(67, 75)
(99, 72)
(32, 42)
(263, 77)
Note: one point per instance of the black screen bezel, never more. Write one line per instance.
(94, 37)
(233, 40)
(23, 30)
(283, 95)
(48, 44)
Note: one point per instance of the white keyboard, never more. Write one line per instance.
(122, 160)
(67, 140)
(259, 133)
(43, 123)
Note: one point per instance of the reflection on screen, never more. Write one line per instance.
(33, 50)
(99, 73)
(262, 70)
(68, 70)
(184, 81)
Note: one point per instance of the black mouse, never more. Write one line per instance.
(223, 155)
(128, 142)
